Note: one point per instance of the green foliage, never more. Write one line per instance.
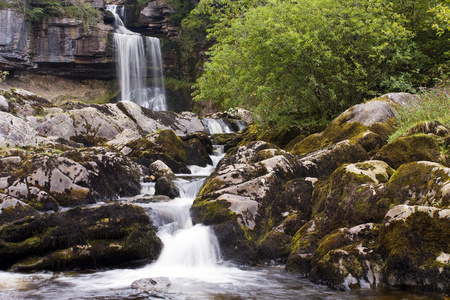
(432, 104)
(3, 75)
(43, 9)
(442, 21)
(305, 61)
(86, 13)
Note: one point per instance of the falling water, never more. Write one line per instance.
(131, 60)
(158, 97)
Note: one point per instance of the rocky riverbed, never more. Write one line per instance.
(342, 207)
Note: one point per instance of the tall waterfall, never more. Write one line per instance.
(131, 60)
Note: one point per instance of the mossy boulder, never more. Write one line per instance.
(345, 258)
(279, 137)
(227, 140)
(12, 209)
(166, 187)
(243, 190)
(414, 244)
(196, 153)
(419, 183)
(324, 162)
(408, 149)
(367, 124)
(170, 143)
(202, 137)
(79, 238)
(47, 180)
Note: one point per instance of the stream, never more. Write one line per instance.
(190, 259)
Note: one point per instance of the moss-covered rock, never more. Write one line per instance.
(367, 124)
(324, 162)
(227, 140)
(350, 196)
(243, 190)
(408, 149)
(419, 183)
(196, 153)
(79, 238)
(12, 209)
(46, 180)
(415, 248)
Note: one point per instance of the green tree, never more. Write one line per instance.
(304, 61)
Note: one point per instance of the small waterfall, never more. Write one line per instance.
(213, 126)
(131, 60)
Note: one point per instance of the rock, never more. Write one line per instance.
(419, 183)
(240, 197)
(434, 127)
(196, 153)
(123, 138)
(165, 186)
(159, 284)
(12, 209)
(368, 124)
(408, 149)
(323, 162)
(159, 169)
(74, 178)
(202, 137)
(343, 260)
(14, 52)
(79, 238)
(4, 106)
(228, 140)
(16, 132)
(351, 196)
(412, 245)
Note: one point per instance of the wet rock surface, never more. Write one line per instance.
(80, 237)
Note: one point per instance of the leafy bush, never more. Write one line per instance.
(306, 61)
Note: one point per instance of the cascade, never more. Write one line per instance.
(131, 59)
(213, 126)
(158, 97)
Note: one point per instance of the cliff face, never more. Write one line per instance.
(63, 47)
(59, 46)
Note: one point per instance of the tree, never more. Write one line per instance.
(304, 61)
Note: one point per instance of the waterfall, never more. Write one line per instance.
(158, 97)
(213, 126)
(131, 59)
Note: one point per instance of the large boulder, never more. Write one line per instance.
(16, 132)
(79, 238)
(77, 177)
(240, 200)
(408, 149)
(367, 124)
(415, 247)
(419, 183)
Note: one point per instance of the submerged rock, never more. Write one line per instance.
(159, 284)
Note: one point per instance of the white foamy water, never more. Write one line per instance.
(131, 60)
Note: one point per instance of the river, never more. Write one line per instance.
(190, 260)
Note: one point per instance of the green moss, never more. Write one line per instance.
(414, 244)
(212, 184)
(210, 212)
(410, 148)
(418, 183)
(172, 144)
(337, 131)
